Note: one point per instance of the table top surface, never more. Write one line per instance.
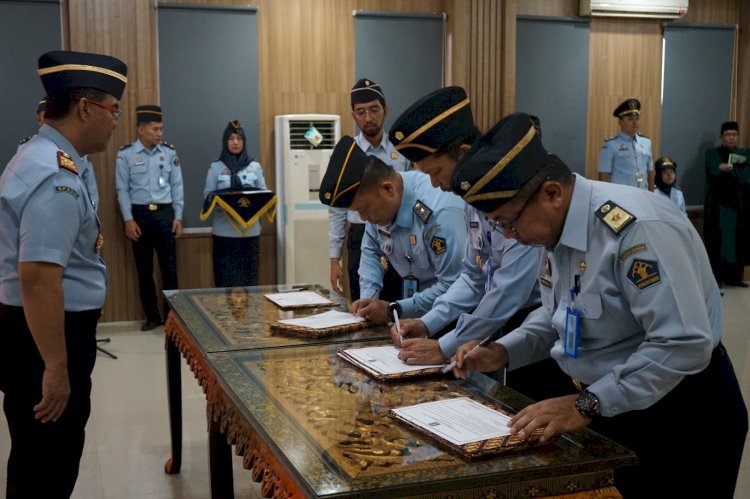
(229, 319)
(329, 424)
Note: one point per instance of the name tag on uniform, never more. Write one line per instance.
(139, 161)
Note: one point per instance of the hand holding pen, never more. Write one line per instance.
(481, 344)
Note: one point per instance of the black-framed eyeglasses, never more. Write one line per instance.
(510, 226)
(115, 112)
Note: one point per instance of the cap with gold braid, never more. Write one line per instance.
(500, 163)
(63, 70)
(344, 173)
(436, 120)
(148, 113)
(630, 106)
(366, 91)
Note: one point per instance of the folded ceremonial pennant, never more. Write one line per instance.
(242, 208)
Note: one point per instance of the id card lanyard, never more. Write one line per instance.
(573, 321)
(410, 282)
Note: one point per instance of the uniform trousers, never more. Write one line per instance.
(156, 234)
(689, 443)
(235, 261)
(44, 457)
(392, 282)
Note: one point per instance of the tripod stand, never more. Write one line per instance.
(102, 350)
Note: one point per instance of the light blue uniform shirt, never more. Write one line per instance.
(676, 196)
(627, 160)
(498, 278)
(146, 176)
(220, 177)
(650, 306)
(85, 171)
(47, 216)
(430, 251)
(337, 217)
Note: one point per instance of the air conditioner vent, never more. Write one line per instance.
(297, 130)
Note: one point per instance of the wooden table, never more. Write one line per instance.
(310, 425)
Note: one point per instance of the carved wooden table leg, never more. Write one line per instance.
(174, 388)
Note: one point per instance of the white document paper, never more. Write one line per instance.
(458, 420)
(328, 319)
(384, 360)
(298, 299)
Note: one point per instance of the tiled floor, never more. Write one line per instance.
(128, 434)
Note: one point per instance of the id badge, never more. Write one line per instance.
(163, 183)
(572, 330)
(411, 286)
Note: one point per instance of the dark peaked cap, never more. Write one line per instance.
(148, 113)
(64, 70)
(434, 121)
(500, 163)
(344, 173)
(629, 106)
(366, 91)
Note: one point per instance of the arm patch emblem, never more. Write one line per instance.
(644, 273)
(438, 245)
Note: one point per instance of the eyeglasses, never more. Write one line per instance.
(373, 111)
(510, 226)
(115, 112)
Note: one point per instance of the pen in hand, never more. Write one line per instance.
(482, 343)
(398, 328)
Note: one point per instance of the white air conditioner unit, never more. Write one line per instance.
(663, 9)
(304, 143)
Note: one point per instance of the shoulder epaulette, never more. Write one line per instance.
(24, 140)
(422, 211)
(167, 144)
(615, 217)
(125, 146)
(65, 162)
(644, 136)
(610, 138)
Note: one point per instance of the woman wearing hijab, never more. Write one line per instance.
(235, 245)
(666, 178)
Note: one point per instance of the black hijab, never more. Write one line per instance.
(660, 165)
(235, 162)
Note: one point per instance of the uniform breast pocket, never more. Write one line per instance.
(223, 181)
(590, 305)
(249, 179)
(476, 241)
(138, 169)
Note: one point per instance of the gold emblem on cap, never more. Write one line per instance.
(465, 185)
(605, 208)
(367, 83)
(581, 266)
(399, 135)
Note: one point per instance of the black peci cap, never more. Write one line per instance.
(148, 113)
(630, 106)
(437, 120)
(730, 125)
(343, 175)
(500, 163)
(65, 70)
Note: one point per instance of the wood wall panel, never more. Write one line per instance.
(624, 61)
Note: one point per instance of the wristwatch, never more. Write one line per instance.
(394, 306)
(588, 404)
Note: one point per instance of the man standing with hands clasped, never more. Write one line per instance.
(630, 311)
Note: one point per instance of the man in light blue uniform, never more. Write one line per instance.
(85, 167)
(369, 111)
(151, 197)
(411, 226)
(626, 157)
(630, 311)
(52, 279)
(497, 287)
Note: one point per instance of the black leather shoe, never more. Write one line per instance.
(149, 325)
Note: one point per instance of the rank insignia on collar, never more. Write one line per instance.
(394, 155)
(581, 266)
(65, 162)
(615, 217)
(99, 242)
(479, 261)
(438, 245)
(384, 262)
(422, 211)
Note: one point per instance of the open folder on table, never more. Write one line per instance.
(299, 299)
(319, 325)
(382, 363)
(471, 428)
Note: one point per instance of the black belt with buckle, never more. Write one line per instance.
(151, 206)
